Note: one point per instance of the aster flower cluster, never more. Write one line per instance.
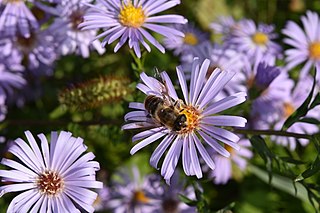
(172, 107)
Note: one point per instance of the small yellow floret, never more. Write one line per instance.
(260, 38)
(131, 16)
(314, 50)
(190, 39)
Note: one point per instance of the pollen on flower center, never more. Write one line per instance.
(131, 16)
(50, 183)
(288, 109)
(193, 119)
(260, 38)
(314, 50)
(140, 197)
(190, 39)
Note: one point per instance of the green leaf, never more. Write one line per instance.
(291, 160)
(187, 200)
(302, 110)
(282, 183)
(316, 101)
(310, 121)
(260, 145)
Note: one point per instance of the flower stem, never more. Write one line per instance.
(271, 132)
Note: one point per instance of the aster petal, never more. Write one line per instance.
(29, 201)
(146, 142)
(186, 160)
(19, 200)
(45, 149)
(152, 40)
(37, 204)
(136, 116)
(35, 148)
(224, 120)
(183, 84)
(163, 30)
(15, 188)
(173, 19)
(225, 103)
(18, 166)
(194, 157)
(171, 159)
(16, 176)
(203, 152)
(81, 203)
(200, 80)
(214, 144)
(136, 105)
(153, 9)
(168, 83)
(161, 148)
(138, 125)
(68, 204)
(147, 133)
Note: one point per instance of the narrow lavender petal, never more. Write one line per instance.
(170, 87)
(224, 120)
(171, 159)
(82, 160)
(16, 188)
(163, 30)
(194, 75)
(214, 144)
(45, 149)
(16, 176)
(152, 40)
(161, 8)
(183, 84)
(37, 204)
(35, 147)
(138, 125)
(219, 137)
(146, 142)
(200, 80)
(136, 105)
(161, 148)
(63, 136)
(147, 133)
(203, 152)
(18, 166)
(68, 204)
(30, 201)
(171, 19)
(225, 103)
(19, 200)
(84, 205)
(140, 114)
(186, 161)
(194, 157)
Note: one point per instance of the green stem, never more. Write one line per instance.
(271, 132)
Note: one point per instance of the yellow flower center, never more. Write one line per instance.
(131, 16)
(50, 183)
(190, 39)
(288, 109)
(140, 197)
(260, 38)
(314, 50)
(193, 119)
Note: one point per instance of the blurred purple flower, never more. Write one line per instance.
(65, 27)
(305, 43)
(127, 20)
(223, 58)
(289, 105)
(223, 172)
(35, 50)
(225, 25)
(185, 45)
(3, 110)
(53, 178)
(132, 193)
(199, 112)
(255, 41)
(16, 18)
(9, 81)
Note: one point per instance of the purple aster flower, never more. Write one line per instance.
(37, 49)
(169, 194)
(288, 106)
(268, 86)
(54, 178)
(224, 58)
(223, 172)
(128, 20)
(65, 27)
(255, 41)
(102, 199)
(16, 18)
(225, 25)
(9, 81)
(305, 43)
(132, 193)
(184, 45)
(190, 121)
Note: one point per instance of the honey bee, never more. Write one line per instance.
(165, 111)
